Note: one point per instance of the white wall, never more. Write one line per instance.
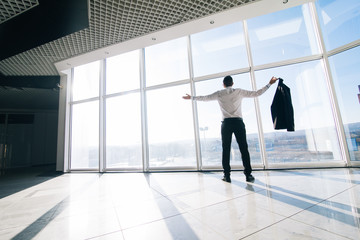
(61, 132)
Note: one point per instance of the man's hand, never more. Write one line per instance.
(273, 80)
(187, 96)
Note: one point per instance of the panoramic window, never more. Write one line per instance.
(315, 137)
(170, 128)
(278, 41)
(167, 62)
(123, 132)
(209, 116)
(123, 72)
(339, 21)
(219, 50)
(85, 83)
(345, 68)
(85, 136)
(282, 35)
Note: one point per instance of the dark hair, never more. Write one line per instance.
(228, 81)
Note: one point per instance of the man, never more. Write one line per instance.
(230, 100)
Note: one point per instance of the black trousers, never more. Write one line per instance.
(236, 126)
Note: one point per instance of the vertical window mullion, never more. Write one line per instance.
(102, 120)
(67, 129)
(194, 108)
(257, 106)
(70, 91)
(144, 128)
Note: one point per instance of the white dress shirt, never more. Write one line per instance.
(230, 99)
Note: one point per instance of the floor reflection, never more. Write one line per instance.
(312, 203)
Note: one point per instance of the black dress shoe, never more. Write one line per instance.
(250, 178)
(227, 179)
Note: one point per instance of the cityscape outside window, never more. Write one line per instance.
(85, 136)
(315, 137)
(170, 128)
(123, 132)
(345, 68)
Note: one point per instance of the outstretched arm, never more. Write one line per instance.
(257, 93)
(250, 93)
(210, 97)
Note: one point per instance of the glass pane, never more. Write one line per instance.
(123, 72)
(345, 68)
(339, 21)
(282, 35)
(123, 132)
(315, 137)
(166, 62)
(210, 123)
(85, 135)
(219, 50)
(86, 81)
(170, 128)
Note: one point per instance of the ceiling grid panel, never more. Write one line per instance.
(10, 9)
(110, 22)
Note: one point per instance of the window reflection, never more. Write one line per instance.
(339, 21)
(85, 136)
(282, 35)
(167, 62)
(345, 68)
(170, 128)
(315, 137)
(219, 50)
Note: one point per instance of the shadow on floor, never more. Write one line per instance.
(16, 180)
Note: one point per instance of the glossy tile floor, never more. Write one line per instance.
(292, 204)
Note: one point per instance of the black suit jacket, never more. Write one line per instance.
(282, 111)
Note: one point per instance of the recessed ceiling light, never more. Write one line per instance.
(212, 22)
(154, 38)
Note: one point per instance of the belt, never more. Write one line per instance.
(233, 119)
